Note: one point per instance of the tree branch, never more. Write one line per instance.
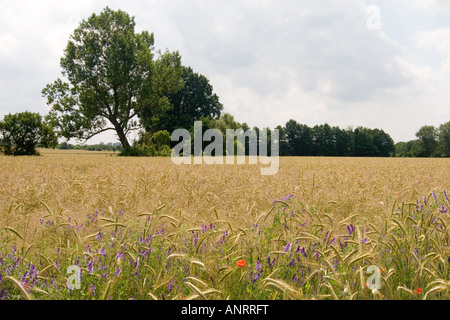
(131, 129)
(99, 131)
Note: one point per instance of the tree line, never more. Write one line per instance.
(431, 142)
(110, 146)
(323, 140)
(113, 80)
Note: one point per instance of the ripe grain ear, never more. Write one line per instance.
(16, 283)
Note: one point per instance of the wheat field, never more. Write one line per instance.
(145, 228)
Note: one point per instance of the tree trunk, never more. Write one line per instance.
(120, 133)
(123, 139)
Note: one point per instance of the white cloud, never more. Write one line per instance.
(438, 39)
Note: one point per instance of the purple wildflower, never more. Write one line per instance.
(273, 262)
(224, 237)
(257, 276)
(433, 220)
(98, 236)
(118, 271)
(443, 209)
(92, 289)
(90, 267)
(144, 252)
(148, 238)
(364, 240)
(195, 238)
(350, 229)
(204, 228)
(446, 198)
(326, 236)
(288, 246)
(305, 223)
(258, 266)
(16, 263)
(303, 252)
(287, 197)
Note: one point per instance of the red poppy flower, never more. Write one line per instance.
(240, 263)
(418, 290)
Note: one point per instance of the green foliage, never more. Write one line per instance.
(167, 79)
(427, 136)
(112, 78)
(444, 140)
(323, 140)
(137, 150)
(160, 139)
(156, 145)
(431, 142)
(195, 100)
(21, 133)
(299, 138)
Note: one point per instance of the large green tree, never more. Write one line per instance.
(113, 78)
(428, 140)
(195, 100)
(383, 143)
(21, 133)
(444, 139)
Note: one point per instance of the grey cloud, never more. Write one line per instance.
(270, 48)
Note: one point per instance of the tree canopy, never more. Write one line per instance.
(195, 100)
(21, 133)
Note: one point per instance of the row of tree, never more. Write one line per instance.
(323, 140)
(91, 147)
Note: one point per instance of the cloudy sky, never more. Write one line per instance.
(379, 64)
